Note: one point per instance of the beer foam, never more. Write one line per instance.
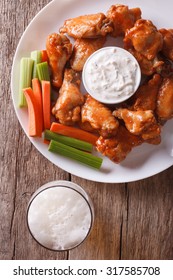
(59, 218)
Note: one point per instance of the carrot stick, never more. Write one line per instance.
(46, 141)
(74, 132)
(44, 56)
(38, 96)
(46, 95)
(34, 123)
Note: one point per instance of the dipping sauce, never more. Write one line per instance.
(111, 75)
(60, 215)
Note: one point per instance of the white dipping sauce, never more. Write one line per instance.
(59, 218)
(111, 75)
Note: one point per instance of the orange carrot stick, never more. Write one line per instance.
(46, 141)
(34, 123)
(38, 95)
(74, 132)
(44, 56)
(46, 103)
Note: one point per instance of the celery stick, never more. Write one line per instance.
(36, 56)
(73, 153)
(25, 78)
(43, 71)
(81, 145)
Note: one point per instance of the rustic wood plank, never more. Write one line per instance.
(148, 230)
(133, 221)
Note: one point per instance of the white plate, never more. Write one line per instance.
(143, 161)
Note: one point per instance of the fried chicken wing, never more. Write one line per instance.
(68, 106)
(148, 67)
(87, 26)
(82, 49)
(166, 68)
(144, 41)
(146, 96)
(123, 18)
(99, 117)
(140, 122)
(164, 109)
(59, 50)
(86, 126)
(119, 146)
(144, 38)
(167, 49)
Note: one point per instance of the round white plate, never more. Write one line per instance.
(145, 160)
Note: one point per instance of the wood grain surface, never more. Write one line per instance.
(132, 221)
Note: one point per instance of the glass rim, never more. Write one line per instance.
(69, 185)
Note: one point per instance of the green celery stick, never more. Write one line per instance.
(73, 153)
(25, 78)
(81, 145)
(43, 71)
(36, 56)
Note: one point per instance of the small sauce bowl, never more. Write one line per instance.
(111, 75)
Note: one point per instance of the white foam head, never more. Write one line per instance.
(60, 215)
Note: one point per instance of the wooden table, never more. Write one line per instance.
(133, 221)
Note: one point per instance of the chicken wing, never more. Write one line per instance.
(144, 41)
(82, 49)
(144, 38)
(99, 117)
(148, 67)
(87, 26)
(59, 50)
(123, 18)
(146, 96)
(118, 147)
(167, 49)
(164, 108)
(140, 122)
(68, 106)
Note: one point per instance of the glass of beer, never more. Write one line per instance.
(60, 215)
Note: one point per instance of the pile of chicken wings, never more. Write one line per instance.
(126, 125)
